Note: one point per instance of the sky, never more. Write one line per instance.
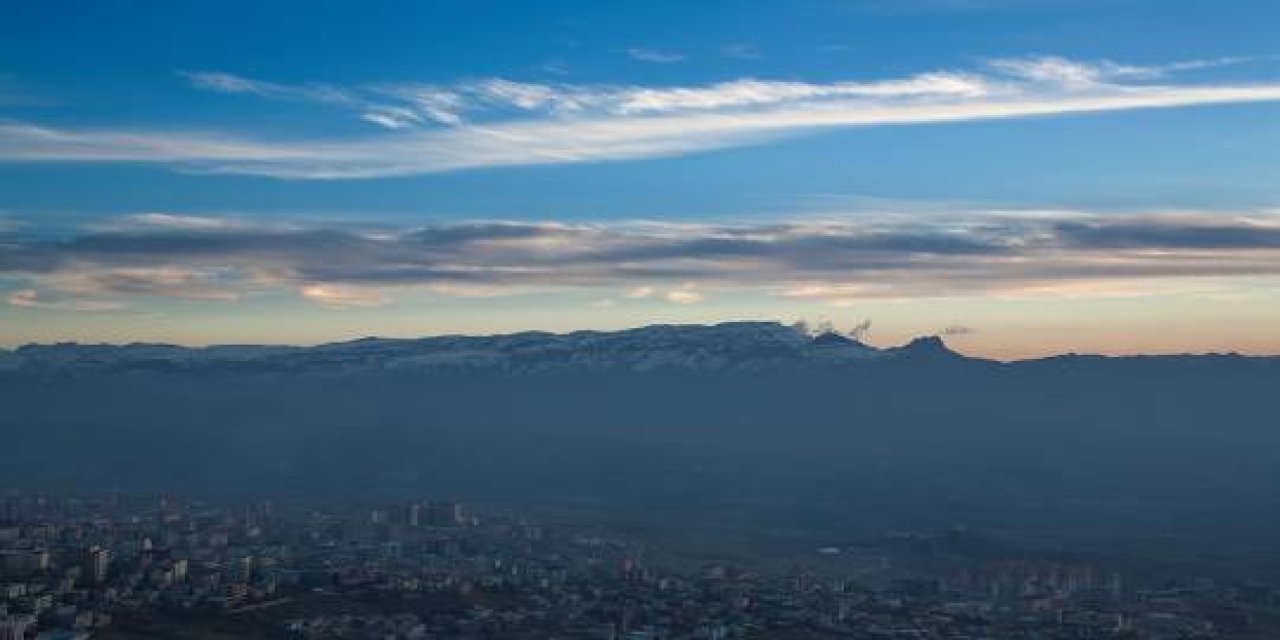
(1025, 177)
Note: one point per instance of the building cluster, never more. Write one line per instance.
(75, 566)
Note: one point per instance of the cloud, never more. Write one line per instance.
(1072, 74)
(654, 55)
(32, 299)
(23, 298)
(499, 122)
(343, 296)
(229, 83)
(838, 260)
(683, 295)
(421, 102)
(437, 106)
(31, 143)
(202, 282)
(175, 221)
(753, 93)
(1171, 232)
(401, 118)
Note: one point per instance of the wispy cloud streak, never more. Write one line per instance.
(498, 122)
(654, 55)
(230, 83)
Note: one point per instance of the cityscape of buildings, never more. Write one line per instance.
(122, 567)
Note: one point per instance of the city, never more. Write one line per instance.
(110, 566)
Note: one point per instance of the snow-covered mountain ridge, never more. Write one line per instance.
(726, 347)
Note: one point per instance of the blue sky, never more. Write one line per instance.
(1049, 174)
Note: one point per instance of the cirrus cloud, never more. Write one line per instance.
(644, 54)
(499, 122)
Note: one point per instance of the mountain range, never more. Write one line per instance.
(751, 426)
(727, 348)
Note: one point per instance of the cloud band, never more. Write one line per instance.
(837, 258)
